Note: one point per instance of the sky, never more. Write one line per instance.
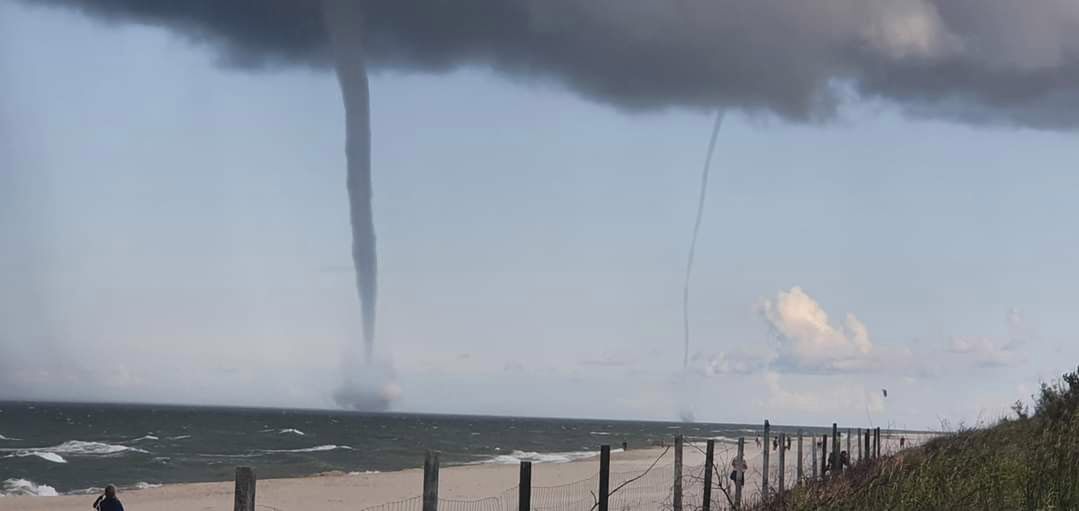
(176, 230)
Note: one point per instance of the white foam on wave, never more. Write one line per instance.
(145, 437)
(16, 487)
(179, 437)
(255, 454)
(291, 431)
(47, 456)
(81, 448)
(365, 472)
(599, 433)
(319, 448)
(93, 490)
(541, 457)
(2, 437)
(248, 455)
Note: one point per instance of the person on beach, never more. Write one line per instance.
(108, 501)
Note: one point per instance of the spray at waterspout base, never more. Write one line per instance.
(368, 388)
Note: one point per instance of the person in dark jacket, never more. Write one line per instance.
(108, 501)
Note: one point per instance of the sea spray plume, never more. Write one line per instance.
(344, 22)
(701, 199)
(372, 389)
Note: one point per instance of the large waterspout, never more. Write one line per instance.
(366, 385)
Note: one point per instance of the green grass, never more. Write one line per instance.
(1027, 462)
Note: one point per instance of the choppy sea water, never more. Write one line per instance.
(47, 449)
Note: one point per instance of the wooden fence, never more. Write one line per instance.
(733, 492)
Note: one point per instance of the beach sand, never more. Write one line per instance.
(334, 492)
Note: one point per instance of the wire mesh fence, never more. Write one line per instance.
(410, 504)
(652, 489)
(630, 491)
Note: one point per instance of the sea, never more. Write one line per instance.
(58, 448)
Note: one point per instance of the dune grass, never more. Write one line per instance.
(1030, 461)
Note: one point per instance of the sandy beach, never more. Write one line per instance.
(333, 492)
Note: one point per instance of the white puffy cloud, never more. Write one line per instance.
(808, 341)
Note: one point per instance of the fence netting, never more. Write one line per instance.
(649, 489)
(630, 491)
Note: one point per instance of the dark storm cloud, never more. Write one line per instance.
(977, 61)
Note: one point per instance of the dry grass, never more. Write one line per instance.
(1022, 463)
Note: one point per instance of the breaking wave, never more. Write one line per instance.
(70, 448)
(319, 448)
(263, 452)
(538, 457)
(47, 456)
(80, 448)
(16, 487)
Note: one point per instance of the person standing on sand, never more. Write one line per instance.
(108, 501)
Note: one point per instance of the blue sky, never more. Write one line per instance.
(178, 232)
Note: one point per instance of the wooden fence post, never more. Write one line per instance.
(764, 461)
(430, 481)
(878, 441)
(709, 457)
(850, 453)
(245, 489)
(814, 455)
(524, 487)
(678, 473)
(873, 444)
(782, 463)
(739, 476)
(823, 456)
(801, 473)
(837, 467)
(604, 476)
(868, 444)
(859, 445)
